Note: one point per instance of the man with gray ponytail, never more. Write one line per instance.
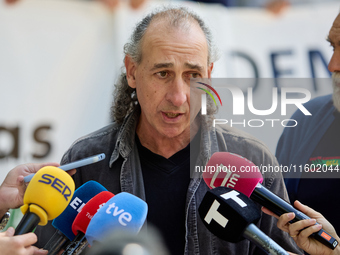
(125, 95)
(158, 132)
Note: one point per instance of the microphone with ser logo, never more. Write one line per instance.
(46, 197)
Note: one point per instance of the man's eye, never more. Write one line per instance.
(163, 74)
(195, 75)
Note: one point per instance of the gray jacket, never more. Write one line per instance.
(121, 171)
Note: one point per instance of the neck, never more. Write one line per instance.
(166, 146)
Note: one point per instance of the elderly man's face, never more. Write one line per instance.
(334, 64)
(170, 57)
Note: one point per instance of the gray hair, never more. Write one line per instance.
(125, 97)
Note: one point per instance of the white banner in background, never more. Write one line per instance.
(59, 60)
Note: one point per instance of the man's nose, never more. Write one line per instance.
(177, 93)
(334, 64)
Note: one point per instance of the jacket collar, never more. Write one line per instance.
(126, 140)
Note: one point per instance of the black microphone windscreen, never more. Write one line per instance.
(227, 212)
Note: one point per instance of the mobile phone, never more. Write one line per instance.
(75, 164)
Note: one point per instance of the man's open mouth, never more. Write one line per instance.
(171, 114)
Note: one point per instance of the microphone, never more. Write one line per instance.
(147, 242)
(123, 212)
(46, 197)
(63, 223)
(231, 216)
(236, 172)
(83, 219)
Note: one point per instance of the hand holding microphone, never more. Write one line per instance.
(237, 172)
(13, 188)
(46, 196)
(301, 230)
(12, 192)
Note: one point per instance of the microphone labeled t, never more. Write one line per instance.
(233, 195)
(215, 215)
(235, 219)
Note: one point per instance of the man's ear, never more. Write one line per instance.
(210, 68)
(130, 67)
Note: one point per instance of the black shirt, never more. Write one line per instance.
(162, 177)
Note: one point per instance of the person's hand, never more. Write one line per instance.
(113, 4)
(301, 230)
(135, 4)
(11, 1)
(19, 245)
(13, 188)
(277, 6)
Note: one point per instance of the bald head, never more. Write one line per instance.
(175, 19)
(171, 19)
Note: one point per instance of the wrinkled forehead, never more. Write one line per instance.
(337, 19)
(336, 25)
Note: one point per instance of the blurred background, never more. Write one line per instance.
(59, 60)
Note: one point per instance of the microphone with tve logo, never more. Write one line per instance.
(123, 212)
(231, 216)
(63, 223)
(236, 172)
(46, 196)
(82, 221)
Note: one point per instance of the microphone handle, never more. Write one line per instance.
(261, 240)
(55, 244)
(277, 205)
(27, 224)
(81, 247)
(77, 241)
